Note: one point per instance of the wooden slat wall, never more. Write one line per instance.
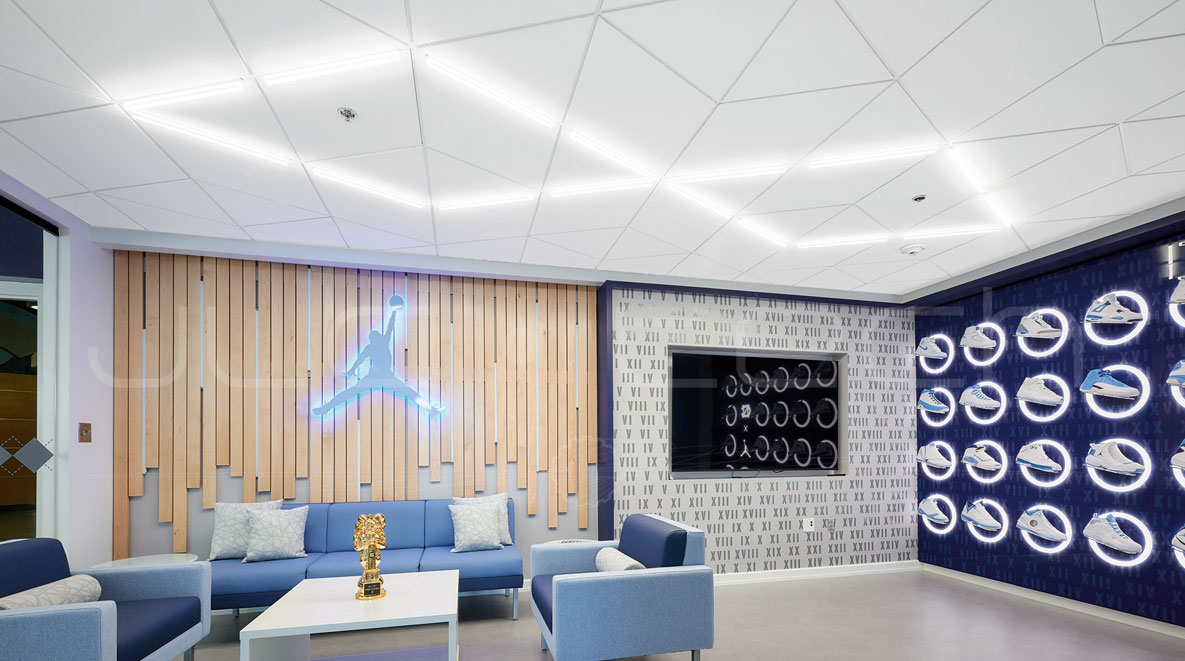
(220, 361)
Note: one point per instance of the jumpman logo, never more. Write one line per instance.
(378, 351)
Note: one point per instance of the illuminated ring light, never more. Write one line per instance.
(807, 381)
(730, 416)
(1123, 488)
(1179, 556)
(1180, 475)
(731, 442)
(835, 419)
(1000, 343)
(730, 387)
(781, 419)
(1141, 306)
(1178, 397)
(834, 376)
(996, 476)
(803, 464)
(1062, 476)
(785, 444)
(1061, 408)
(950, 356)
(762, 410)
(1147, 542)
(1002, 518)
(1034, 541)
(1065, 326)
(805, 422)
(992, 385)
(781, 383)
(950, 415)
(761, 441)
(834, 453)
(954, 464)
(1140, 401)
(1175, 313)
(746, 386)
(761, 384)
(953, 516)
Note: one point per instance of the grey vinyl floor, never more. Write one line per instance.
(906, 615)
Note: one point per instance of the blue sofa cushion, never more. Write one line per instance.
(236, 577)
(345, 563)
(143, 626)
(541, 592)
(405, 523)
(507, 561)
(652, 542)
(438, 522)
(28, 563)
(315, 525)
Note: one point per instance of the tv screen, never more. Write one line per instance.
(733, 412)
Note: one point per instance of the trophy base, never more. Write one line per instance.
(371, 591)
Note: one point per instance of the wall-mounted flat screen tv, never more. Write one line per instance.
(735, 414)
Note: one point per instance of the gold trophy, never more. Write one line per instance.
(370, 536)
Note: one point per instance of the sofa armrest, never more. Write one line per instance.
(85, 632)
(633, 613)
(567, 558)
(191, 579)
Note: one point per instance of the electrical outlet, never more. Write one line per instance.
(808, 524)
(84, 432)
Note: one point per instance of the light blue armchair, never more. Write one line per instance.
(144, 613)
(584, 614)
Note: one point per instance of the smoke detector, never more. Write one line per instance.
(347, 113)
(912, 249)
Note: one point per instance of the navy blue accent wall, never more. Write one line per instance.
(20, 249)
(1155, 588)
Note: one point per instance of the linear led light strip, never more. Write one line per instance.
(565, 191)
(329, 68)
(487, 201)
(489, 92)
(211, 138)
(369, 188)
(719, 175)
(873, 156)
(680, 190)
(762, 231)
(180, 96)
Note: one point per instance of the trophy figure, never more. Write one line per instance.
(370, 536)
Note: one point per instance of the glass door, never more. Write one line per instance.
(22, 455)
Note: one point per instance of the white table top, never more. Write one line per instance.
(318, 605)
(151, 560)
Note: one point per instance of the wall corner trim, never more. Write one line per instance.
(803, 573)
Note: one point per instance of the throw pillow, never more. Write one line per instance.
(503, 512)
(276, 534)
(610, 559)
(475, 527)
(231, 528)
(75, 589)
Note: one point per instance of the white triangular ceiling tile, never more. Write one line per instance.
(96, 212)
(1148, 144)
(593, 243)
(163, 220)
(633, 243)
(714, 42)
(890, 122)
(1123, 197)
(903, 31)
(454, 180)
(1174, 165)
(982, 251)
(742, 248)
(316, 231)
(24, 47)
(851, 223)
(890, 250)
(1081, 169)
(831, 279)
(390, 16)
(183, 196)
(433, 20)
(547, 254)
(995, 160)
(243, 116)
(1173, 107)
(872, 271)
(676, 219)
(971, 214)
(482, 223)
(936, 177)
(498, 250)
(805, 187)
(1039, 234)
(657, 264)
(366, 237)
(923, 270)
(588, 212)
(26, 96)
(784, 277)
(31, 169)
(399, 171)
(1168, 22)
(247, 209)
(1117, 17)
(576, 165)
(695, 266)
(815, 32)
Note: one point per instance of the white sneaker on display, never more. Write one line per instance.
(1034, 521)
(974, 338)
(1108, 310)
(1178, 460)
(1033, 455)
(931, 455)
(1106, 531)
(929, 509)
(928, 401)
(1034, 325)
(1179, 540)
(975, 397)
(1034, 390)
(928, 348)
(977, 456)
(978, 515)
(1178, 295)
(1108, 457)
(1177, 376)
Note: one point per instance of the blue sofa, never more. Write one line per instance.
(667, 607)
(144, 613)
(419, 538)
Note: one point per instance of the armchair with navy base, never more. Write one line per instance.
(154, 613)
(667, 607)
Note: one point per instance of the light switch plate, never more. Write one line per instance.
(84, 432)
(808, 524)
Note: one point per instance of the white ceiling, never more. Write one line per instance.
(1069, 113)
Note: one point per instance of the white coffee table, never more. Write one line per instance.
(322, 605)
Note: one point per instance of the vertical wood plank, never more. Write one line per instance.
(571, 371)
(180, 401)
(308, 355)
(546, 358)
(488, 378)
(562, 440)
(316, 384)
(510, 371)
(499, 385)
(167, 376)
(525, 468)
(553, 417)
(366, 404)
(193, 372)
(152, 360)
(468, 346)
(460, 349)
(433, 393)
(423, 319)
(222, 362)
(235, 367)
(378, 321)
(480, 429)
(250, 382)
(328, 388)
(263, 389)
(447, 314)
(582, 412)
(277, 384)
(350, 310)
(530, 466)
(340, 439)
(395, 410)
(412, 356)
(135, 326)
(209, 366)
(120, 540)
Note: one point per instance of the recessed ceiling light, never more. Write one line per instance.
(329, 68)
(953, 231)
(199, 134)
(179, 96)
(369, 188)
(851, 241)
(676, 188)
(731, 174)
(873, 156)
(564, 191)
(487, 201)
(593, 145)
(762, 231)
(489, 92)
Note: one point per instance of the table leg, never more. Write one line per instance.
(282, 648)
(452, 639)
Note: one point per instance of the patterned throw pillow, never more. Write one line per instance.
(475, 527)
(498, 499)
(231, 529)
(76, 589)
(276, 534)
(610, 559)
